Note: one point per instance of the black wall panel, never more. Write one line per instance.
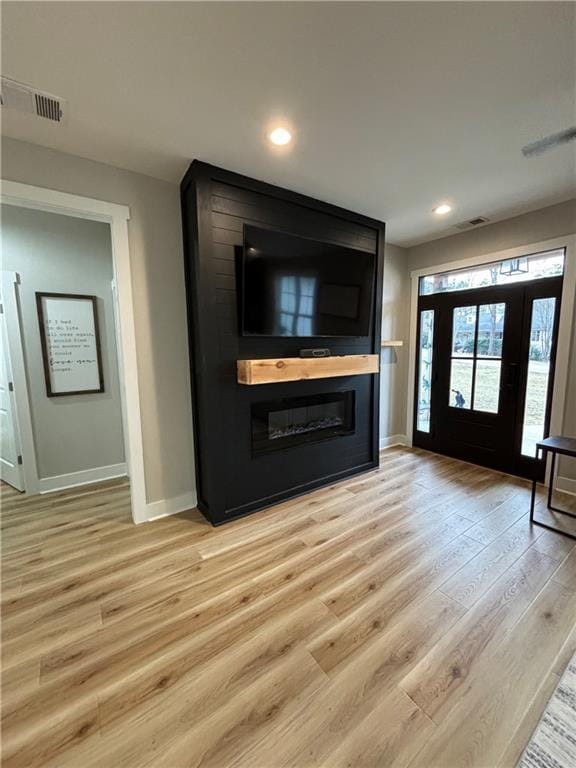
(215, 206)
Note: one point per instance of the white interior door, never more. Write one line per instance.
(11, 470)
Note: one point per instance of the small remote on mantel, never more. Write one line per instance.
(314, 353)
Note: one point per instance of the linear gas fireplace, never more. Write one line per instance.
(291, 421)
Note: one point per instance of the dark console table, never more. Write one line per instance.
(565, 446)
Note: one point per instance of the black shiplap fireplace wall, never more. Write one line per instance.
(232, 479)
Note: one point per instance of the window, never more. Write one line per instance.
(425, 353)
(548, 264)
(476, 360)
(541, 331)
(297, 297)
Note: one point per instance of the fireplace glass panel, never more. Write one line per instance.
(292, 421)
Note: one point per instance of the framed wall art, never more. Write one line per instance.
(70, 339)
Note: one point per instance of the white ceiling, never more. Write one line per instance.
(396, 106)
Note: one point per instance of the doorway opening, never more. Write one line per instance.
(118, 324)
(487, 340)
(57, 279)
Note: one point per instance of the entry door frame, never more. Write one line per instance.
(117, 216)
(568, 242)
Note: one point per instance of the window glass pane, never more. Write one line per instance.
(487, 386)
(541, 327)
(533, 267)
(490, 330)
(461, 383)
(303, 326)
(306, 305)
(308, 286)
(463, 330)
(425, 370)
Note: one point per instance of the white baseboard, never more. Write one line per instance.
(388, 442)
(85, 477)
(566, 484)
(165, 507)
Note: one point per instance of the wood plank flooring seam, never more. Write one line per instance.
(424, 713)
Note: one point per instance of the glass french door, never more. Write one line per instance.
(485, 370)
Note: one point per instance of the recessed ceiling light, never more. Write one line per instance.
(442, 210)
(280, 137)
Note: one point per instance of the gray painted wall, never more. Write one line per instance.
(395, 325)
(554, 221)
(155, 237)
(62, 254)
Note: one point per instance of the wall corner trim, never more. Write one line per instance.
(388, 442)
(172, 506)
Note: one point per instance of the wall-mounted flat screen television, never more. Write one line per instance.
(295, 286)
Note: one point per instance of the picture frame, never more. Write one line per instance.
(70, 340)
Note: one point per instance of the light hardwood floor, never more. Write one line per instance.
(408, 617)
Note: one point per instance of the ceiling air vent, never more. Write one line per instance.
(15, 95)
(472, 223)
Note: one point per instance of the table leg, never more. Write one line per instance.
(550, 491)
(533, 499)
(551, 483)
